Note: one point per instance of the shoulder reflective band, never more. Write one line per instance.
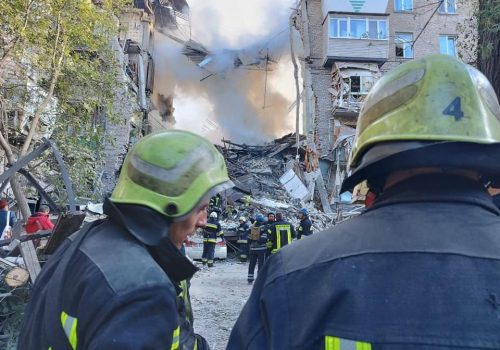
(211, 226)
(334, 343)
(175, 338)
(69, 325)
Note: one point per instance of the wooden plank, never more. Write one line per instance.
(6, 263)
(30, 259)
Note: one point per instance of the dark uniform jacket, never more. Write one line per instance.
(280, 233)
(259, 246)
(212, 230)
(420, 270)
(243, 232)
(304, 228)
(105, 289)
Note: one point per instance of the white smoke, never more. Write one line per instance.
(230, 103)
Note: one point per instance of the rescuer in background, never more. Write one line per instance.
(305, 224)
(279, 234)
(420, 268)
(211, 232)
(242, 242)
(258, 247)
(118, 282)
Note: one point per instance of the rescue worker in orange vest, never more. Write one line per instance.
(211, 232)
(279, 234)
(420, 268)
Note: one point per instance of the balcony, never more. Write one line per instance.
(356, 38)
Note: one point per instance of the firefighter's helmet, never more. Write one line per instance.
(171, 172)
(432, 105)
(213, 215)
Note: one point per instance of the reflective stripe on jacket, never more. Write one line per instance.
(418, 270)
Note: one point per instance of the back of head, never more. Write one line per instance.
(430, 112)
(259, 218)
(44, 209)
(279, 216)
(171, 172)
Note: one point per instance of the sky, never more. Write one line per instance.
(231, 104)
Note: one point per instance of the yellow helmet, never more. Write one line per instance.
(427, 102)
(171, 171)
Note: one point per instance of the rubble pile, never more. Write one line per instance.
(257, 171)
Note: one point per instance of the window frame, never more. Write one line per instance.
(397, 36)
(448, 37)
(444, 9)
(366, 34)
(402, 3)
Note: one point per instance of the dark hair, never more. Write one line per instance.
(270, 213)
(3, 203)
(279, 216)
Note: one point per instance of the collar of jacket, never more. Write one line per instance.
(151, 229)
(437, 188)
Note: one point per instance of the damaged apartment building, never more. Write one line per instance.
(349, 44)
(135, 51)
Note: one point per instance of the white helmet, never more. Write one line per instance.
(213, 215)
(242, 218)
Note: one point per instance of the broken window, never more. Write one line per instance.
(404, 45)
(361, 85)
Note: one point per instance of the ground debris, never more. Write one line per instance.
(257, 170)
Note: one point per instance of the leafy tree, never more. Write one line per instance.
(63, 71)
(489, 41)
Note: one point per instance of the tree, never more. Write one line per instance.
(64, 70)
(489, 41)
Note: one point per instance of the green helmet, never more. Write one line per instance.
(429, 101)
(171, 171)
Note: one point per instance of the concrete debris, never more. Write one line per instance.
(275, 178)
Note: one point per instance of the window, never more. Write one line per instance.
(361, 85)
(338, 28)
(403, 5)
(358, 28)
(377, 29)
(448, 6)
(404, 45)
(447, 45)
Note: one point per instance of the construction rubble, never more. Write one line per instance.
(277, 176)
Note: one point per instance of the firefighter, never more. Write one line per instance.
(305, 224)
(279, 234)
(215, 205)
(242, 231)
(211, 232)
(258, 247)
(420, 268)
(117, 283)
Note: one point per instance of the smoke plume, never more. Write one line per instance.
(228, 98)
